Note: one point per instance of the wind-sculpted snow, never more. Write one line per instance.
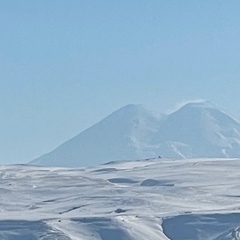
(155, 199)
(225, 226)
(29, 230)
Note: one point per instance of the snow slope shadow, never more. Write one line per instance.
(28, 230)
(122, 227)
(155, 182)
(122, 180)
(198, 227)
(106, 229)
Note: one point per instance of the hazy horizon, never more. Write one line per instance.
(65, 65)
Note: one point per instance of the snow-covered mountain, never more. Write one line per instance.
(198, 130)
(133, 132)
(121, 135)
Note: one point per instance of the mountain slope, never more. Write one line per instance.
(199, 130)
(118, 136)
(132, 132)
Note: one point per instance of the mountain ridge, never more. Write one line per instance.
(197, 129)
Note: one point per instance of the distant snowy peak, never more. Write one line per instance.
(119, 136)
(130, 112)
(195, 109)
(208, 112)
(197, 129)
(199, 104)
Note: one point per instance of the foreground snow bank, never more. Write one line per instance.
(156, 199)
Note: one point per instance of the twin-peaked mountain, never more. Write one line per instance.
(133, 132)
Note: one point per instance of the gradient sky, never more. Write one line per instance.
(66, 64)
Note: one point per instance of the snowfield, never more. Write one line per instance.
(155, 199)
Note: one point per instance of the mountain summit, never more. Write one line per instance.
(118, 136)
(197, 129)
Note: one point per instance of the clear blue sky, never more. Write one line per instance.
(66, 64)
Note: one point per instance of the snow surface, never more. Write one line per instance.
(131, 133)
(155, 199)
